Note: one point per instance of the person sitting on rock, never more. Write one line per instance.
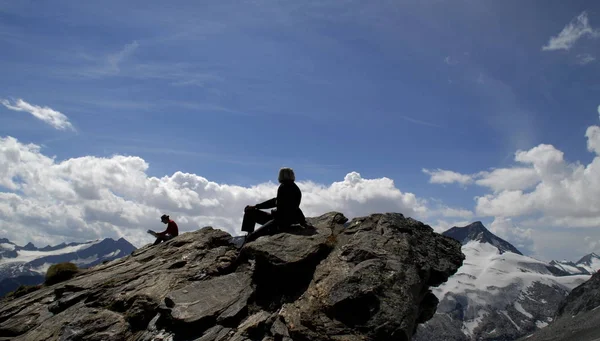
(171, 232)
(287, 208)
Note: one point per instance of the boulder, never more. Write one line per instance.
(367, 279)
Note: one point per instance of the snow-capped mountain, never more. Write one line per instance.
(28, 264)
(498, 293)
(477, 232)
(587, 265)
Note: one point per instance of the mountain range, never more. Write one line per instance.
(499, 293)
(27, 265)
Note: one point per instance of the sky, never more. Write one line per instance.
(113, 113)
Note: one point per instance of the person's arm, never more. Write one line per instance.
(267, 204)
(163, 233)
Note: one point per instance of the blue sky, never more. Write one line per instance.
(233, 90)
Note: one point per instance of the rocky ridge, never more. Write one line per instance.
(577, 317)
(367, 279)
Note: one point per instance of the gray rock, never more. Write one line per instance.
(582, 298)
(364, 280)
(206, 299)
(216, 333)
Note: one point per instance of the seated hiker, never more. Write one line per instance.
(287, 208)
(171, 232)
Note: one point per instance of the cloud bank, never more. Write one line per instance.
(45, 200)
(542, 188)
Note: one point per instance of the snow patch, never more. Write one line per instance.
(470, 325)
(42, 269)
(541, 324)
(487, 270)
(85, 261)
(112, 254)
(511, 320)
(520, 309)
(25, 256)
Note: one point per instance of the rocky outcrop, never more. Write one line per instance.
(577, 317)
(367, 279)
(583, 298)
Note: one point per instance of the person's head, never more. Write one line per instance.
(165, 218)
(286, 174)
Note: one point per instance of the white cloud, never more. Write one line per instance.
(508, 179)
(54, 118)
(570, 34)
(450, 212)
(441, 176)
(585, 58)
(545, 186)
(47, 201)
(442, 225)
(520, 238)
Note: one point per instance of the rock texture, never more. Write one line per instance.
(368, 279)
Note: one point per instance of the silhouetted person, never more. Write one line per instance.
(171, 232)
(287, 208)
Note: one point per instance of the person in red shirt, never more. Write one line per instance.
(171, 232)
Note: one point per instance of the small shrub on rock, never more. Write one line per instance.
(60, 272)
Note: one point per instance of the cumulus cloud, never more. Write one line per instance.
(497, 180)
(46, 201)
(450, 212)
(520, 238)
(543, 190)
(508, 179)
(442, 225)
(54, 118)
(578, 27)
(441, 176)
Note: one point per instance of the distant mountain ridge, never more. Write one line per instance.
(476, 231)
(587, 265)
(498, 293)
(28, 264)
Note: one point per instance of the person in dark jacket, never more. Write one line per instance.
(171, 232)
(287, 207)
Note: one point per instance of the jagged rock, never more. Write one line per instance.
(367, 279)
(582, 298)
(216, 333)
(377, 262)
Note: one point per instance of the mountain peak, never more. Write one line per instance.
(29, 247)
(588, 259)
(478, 232)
